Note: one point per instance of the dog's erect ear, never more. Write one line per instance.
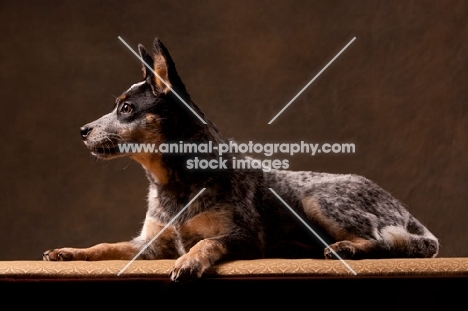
(162, 64)
(147, 60)
(158, 77)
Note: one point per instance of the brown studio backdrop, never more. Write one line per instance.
(398, 93)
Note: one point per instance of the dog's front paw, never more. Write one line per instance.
(63, 254)
(186, 269)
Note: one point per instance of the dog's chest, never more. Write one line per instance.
(199, 225)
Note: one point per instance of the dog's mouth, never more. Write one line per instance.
(105, 151)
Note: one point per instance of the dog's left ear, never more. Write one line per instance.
(158, 77)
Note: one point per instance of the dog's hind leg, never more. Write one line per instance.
(356, 248)
(394, 242)
(361, 235)
(348, 243)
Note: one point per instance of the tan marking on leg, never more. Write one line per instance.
(356, 248)
(207, 251)
(208, 224)
(314, 213)
(363, 245)
(346, 241)
(112, 251)
(103, 251)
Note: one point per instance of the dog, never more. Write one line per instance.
(237, 216)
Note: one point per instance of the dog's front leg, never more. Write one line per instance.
(103, 251)
(200, 257)
(164, 247)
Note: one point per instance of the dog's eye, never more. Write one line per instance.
(126, 108)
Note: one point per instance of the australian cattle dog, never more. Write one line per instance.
(237, 216)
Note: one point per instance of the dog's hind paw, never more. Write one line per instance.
(63, 254)
(344, 249)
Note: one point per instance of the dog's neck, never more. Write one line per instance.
(154, 168)
(167, 170)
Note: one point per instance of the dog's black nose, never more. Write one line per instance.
(85, 130)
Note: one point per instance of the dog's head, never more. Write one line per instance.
(149, 112)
